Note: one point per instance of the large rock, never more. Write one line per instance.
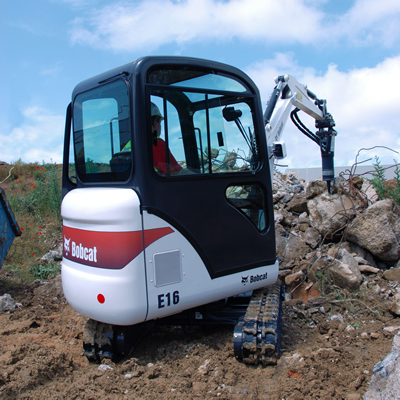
(295, 182)
(290, 183)
(385, 383)
(392, 274)
(312, 237)
(330, 213)
(51, 257)
(50, 289)
(289, 247)
(315, 188)
(343, 270)
(298, 204)
(355, 249)
(378, 230)
(394, 306)
(346, 273)
(7, 303)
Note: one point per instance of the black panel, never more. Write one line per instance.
(225, 239)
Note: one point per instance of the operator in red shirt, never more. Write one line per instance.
(159, 154)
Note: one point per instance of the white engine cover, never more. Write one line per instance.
(103, 272)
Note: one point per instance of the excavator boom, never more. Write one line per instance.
(287, 99)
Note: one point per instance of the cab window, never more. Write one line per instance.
(101, 124)
(205, 123)
(251, 201)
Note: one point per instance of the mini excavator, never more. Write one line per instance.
(167, 201)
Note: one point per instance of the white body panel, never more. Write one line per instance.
(124, 292)
(196, 287)
(164, 274)
(111, 211)
(102, 209)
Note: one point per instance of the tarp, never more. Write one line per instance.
(8, 226)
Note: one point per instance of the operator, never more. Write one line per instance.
(160, 163)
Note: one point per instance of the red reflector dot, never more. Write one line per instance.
(101, 299)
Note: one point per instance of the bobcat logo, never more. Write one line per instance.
(66, 245)
(245, 279)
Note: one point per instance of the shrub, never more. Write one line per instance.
(45, 271)
(379, 183)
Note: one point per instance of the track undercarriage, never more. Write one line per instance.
(257, 317)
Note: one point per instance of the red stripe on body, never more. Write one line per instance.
(111, 250)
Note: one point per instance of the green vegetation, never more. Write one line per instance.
(40, 194)
(386, 189)
(45, 271)
(34, 193)
(323, 280)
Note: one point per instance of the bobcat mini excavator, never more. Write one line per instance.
(167, 201)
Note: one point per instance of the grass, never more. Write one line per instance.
(34, 193)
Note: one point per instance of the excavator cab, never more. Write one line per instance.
(167, 193)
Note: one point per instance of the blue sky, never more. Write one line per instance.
(346, 51)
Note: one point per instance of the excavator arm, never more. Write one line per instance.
(288, 98)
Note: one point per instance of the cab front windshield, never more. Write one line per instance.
(206, 123)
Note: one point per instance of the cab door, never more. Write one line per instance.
(221, 199)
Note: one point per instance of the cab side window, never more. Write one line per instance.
(101, 132)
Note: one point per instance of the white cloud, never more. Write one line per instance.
(38, 138)
(152, 23)
(130, 26)
(363, 102)
(371, 22)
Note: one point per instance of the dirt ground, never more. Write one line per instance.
(329, 348)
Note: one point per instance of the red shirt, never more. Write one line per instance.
(160, 160)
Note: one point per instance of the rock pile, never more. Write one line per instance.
(339, 238)
(336, 237)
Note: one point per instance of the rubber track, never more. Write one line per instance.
(97, 340)
(261, 327)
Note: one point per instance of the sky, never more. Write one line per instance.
(346, 51)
